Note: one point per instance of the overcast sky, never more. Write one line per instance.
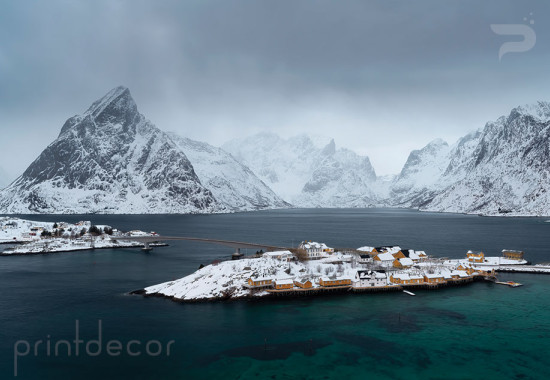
(381, 77)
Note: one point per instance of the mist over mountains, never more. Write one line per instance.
(111, 159)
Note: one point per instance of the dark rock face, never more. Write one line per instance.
(110, 160)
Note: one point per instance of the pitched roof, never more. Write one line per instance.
(386, 256)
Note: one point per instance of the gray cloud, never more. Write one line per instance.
(374, 75)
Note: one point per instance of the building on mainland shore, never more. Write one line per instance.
(368, 278)
(316, 250)
(512, 255)
(475, 257)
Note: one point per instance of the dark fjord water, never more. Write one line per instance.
(480, 330)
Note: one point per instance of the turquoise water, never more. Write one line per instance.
(457, 333)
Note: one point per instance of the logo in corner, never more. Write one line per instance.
(525, 31)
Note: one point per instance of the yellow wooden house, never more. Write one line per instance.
(475, 257)
(328, 282)
(284, 284)
(512, 255)
(434, 278)
(259, 282)
(303, 283)
(406, 279)
(403, 263)
(398, 255)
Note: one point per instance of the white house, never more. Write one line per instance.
(279, 255)
(367, 278)
(316, 250)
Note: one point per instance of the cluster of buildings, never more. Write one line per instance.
(374, 268)
(392, 256)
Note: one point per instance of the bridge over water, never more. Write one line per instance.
(148, 239)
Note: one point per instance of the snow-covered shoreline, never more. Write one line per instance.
(278, 273)
(33, 237)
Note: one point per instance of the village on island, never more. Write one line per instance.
(315, 268)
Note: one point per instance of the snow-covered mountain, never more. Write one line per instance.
(308, 172)
(420, 175)
(231, 182)
(502, 168)
(110, 159)
(285, 165)
(3, 178)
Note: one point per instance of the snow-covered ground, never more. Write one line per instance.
(229, 279)
(539, 268)
(488, 262)
(72, 237)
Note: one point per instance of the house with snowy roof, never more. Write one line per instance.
(368, 279)
(279, 255)
(338, 281)
(384, 259)
(364, 259)
(316, 250)
(512, 255)
(283, 284)
(434, 278)
(368, 250)
(303, 283)
(404, 278)
(412, 254)
(260, 282)
(404, 262)
(475, 257)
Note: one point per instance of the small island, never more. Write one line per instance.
(24, 237)
(314, 268)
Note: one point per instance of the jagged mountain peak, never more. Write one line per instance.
(116, 109)
(309, 171)
(539, 110)
(119, 97)
(110, 160)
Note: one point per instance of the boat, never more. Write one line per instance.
(409, 293)
(509, 283)
(513, 284)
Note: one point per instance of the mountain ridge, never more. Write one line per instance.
(111, 159)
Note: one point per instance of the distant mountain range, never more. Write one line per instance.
(502, 168)
(111, 159)
(308, 172)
